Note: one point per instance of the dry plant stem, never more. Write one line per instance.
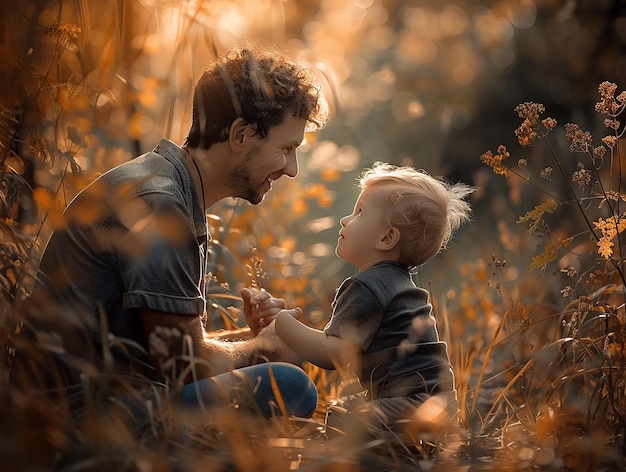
(619, 180)
(42, 221)
(533, 184)
(571, 189)
(279, 397)
(510, 385)
(492, 344)
(226, 315)
(612, 389)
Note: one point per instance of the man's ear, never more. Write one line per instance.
(390, 238)
(237, 134)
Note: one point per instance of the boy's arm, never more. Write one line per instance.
(313, 345)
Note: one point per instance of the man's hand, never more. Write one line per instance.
(274, 347)
(260, 308)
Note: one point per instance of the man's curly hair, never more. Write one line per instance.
(259, 86)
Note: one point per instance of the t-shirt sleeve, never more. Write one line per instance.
(357, 313)
(159, 261)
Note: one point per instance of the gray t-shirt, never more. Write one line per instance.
(133, 239)
(383, 312)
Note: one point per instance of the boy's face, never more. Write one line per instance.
(268, 159)
(361, 230)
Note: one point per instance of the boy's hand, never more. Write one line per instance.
(295, 312)
(260, 308)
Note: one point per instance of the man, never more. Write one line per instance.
(120, 285)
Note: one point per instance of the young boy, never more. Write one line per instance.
(381, 325)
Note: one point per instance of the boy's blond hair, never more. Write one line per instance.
(424, 209)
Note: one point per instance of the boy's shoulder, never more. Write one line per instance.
(388, 279)
(383, 269)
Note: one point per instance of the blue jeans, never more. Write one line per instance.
(271, 389)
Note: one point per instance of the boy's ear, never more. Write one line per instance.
(237, 134)
(388, 241)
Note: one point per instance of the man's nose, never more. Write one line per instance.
(291, 164)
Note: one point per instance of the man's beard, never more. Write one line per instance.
(242, 180)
